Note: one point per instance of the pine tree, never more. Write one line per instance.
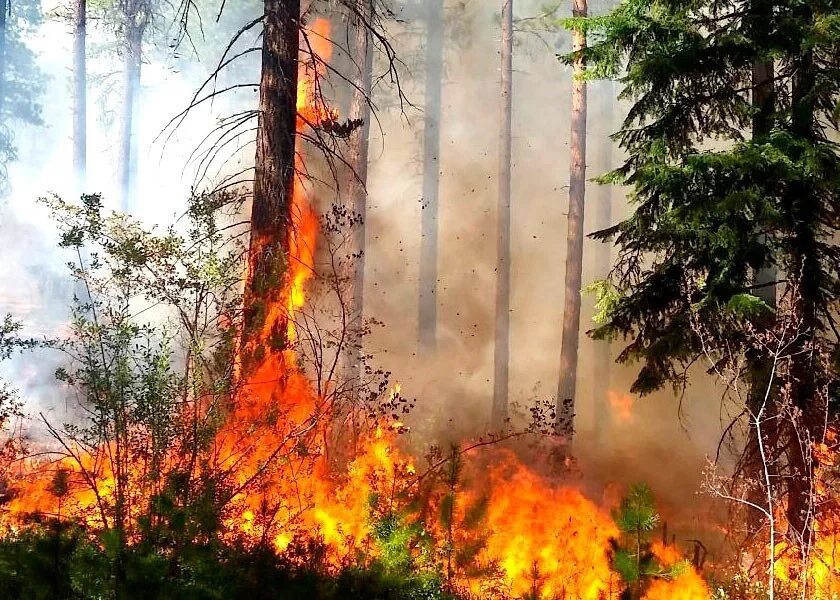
(501, 356)
(716, 206)
(567, 382)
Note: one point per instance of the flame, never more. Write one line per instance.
(817, 574)
(622, 406)
(545, 538)
(685, 585)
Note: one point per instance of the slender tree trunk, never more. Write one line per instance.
(760, 369)
(565, 411)
(362, 54)
(80, 94)
(4, 11)
(502, 329)
(271, 216)
(602, 365)
(807, 270)
(427, 317)
(132, 61)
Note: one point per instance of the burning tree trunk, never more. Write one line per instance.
(136, 19)
(80, 94)
(271, 215)
(427, 318)
(357, 188)
(565, 411)
(502, 328)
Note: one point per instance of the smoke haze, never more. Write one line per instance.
(639, 439)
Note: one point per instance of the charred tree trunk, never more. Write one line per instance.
(80, 94)
(265, 331)
(565, 410)
(502, 328)
(427, 317)
(357, 185)
(136, 17)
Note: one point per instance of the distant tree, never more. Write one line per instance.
(80, 93)
(135, 17)
(709, 218)
(567, 382)
(501, 356)
(428, 283)
(21, 82)
(362, 52)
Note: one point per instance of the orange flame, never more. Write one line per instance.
(622, 406)
(685, 585)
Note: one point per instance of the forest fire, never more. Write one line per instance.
(508, 530)
(205, 440)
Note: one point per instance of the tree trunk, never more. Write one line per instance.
(80, 95)
(502, 328)
(565, 410)
(427, 317)
(135, 26)
(4, 11)
(271, 217)
(764, 101)
(603, 361)
(760, 369)
(808, 297)
(362, 54)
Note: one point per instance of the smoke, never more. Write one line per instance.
(666, 439)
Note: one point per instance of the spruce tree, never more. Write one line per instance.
(718, 202)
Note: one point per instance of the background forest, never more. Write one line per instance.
(419, 299)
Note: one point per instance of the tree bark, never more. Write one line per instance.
(760, 369)
(135, 26)
(502, 325)
(565, 410)
(362, 54)
(427, 317)
(80, 95)
(808, 298)
(265, 331)
(764, 103)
